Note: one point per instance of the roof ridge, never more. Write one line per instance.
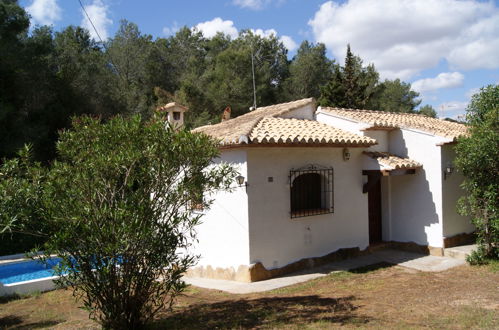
(235, 129)
(381, 112)
(256, 122)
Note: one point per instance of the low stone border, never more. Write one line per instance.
(460, 239)
(258, 272)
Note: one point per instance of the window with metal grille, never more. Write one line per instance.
(311, 191)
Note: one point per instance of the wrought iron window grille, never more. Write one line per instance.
(311, 191)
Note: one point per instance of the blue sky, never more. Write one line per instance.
(447, 49)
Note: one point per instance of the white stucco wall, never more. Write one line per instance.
(306, 112)
(451, 191)
(416, 200)
(223, 234)
(416, 208)
(381, 137)
(275, 238)
(343, 123)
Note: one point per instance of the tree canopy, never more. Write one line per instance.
(308, 71)
(355, 86)
(48, 77)
(478, 160)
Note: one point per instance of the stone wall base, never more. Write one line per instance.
(459, 239)
(417, 248)
(258, 272)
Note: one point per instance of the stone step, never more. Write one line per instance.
(459, 252)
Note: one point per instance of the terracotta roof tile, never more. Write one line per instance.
(231, 131)
(290, 130)
(383, 119)
(263, 125)
(391, 162)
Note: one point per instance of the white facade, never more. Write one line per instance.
(253, 224)
(420, 207)
(223, 234)
(275, 238)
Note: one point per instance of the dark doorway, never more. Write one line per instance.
(374, 207)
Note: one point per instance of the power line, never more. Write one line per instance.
(102, 41)
(91, 23)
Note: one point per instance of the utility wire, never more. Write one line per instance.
(92, 23)
(102, 41)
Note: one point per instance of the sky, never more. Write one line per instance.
(446, 49)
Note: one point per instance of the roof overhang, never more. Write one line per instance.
(385, 162)
(291, 145)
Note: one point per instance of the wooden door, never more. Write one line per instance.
(374, 209)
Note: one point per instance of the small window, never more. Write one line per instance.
(311, 191)
(176, 115)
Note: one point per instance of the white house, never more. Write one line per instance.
(322, 183)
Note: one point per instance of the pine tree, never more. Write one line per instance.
(351, 86)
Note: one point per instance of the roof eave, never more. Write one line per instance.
(295, 145)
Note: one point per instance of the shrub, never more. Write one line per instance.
(117, 200)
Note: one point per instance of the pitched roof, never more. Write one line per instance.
(290, 130)
(383, 119)
(263, 126)
(173, 105)
(391, 162)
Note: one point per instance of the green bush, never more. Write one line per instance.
(116, 209)
(478, 160)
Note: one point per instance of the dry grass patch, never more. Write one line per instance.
(377, 297)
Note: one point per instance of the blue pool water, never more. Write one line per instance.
(26, 271)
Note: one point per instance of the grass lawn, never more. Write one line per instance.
(377, 297)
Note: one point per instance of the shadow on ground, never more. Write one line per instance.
(9, 298)
(15, 322)
(370, 268)
(263, 312)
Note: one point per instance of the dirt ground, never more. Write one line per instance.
(376, 297)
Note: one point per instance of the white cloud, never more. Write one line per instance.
(472, 92)
(264, 33)
(44, 12)
(252, 4)
(168, 31)
(443, 80)
(211, 28)
(289, 43)
(98, 13)
(452, 109)
(402, 38)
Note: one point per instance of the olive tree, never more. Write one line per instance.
(117, 205)
(478, 160)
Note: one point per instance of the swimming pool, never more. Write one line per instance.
(26, 271)
(27, 276)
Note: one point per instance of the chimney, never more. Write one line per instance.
(226, 114)
(174, 113)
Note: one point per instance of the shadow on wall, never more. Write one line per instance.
(256, 313)
(413, 209)
(397, 144)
